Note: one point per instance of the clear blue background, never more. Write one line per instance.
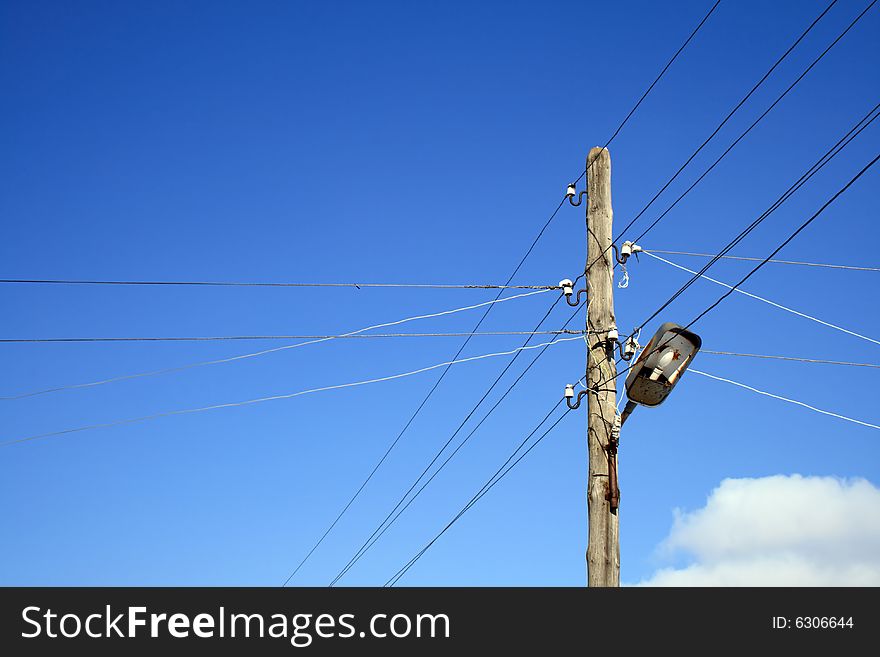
(401, 142)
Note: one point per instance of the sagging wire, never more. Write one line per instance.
(785, 399)
(249, 402)
(263, 352)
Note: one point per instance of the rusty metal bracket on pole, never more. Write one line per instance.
(613, 495)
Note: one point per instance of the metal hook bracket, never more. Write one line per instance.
(569, 395)
(571, 192)
(567, 286)
(577, 299)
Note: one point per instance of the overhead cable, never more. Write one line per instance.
(382, 460)
(285, 337)
(438, 286)
(754, 269)
(788, 239)
(255, 354)
(817, 166)
(790, 358)
(753, 124)
(767, 301)
(409, 497)
(728, 117)
(776, 262)
(785, 399)
(497, 476)
(291, 395)
(653, 84)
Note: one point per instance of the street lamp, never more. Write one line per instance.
(660, 366)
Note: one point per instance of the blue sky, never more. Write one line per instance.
(403, 142)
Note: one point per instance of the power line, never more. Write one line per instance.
(754, 269)
(424, 401)
(790, 358)
(767, 301)
(777, 262)
(497, 476)
(785, 399)
(756, 121)
(391, 446)
(403, 503)
(286, 337)
(727, 118)
(790, 238)
(443, 286)
(860, 126)
(415, 414)
(651, 87)
(399, 506)
(338, 386)
(263, 352)
(356, 285)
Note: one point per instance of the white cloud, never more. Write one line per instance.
(778, 531)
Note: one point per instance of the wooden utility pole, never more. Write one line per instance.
(603, 547)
